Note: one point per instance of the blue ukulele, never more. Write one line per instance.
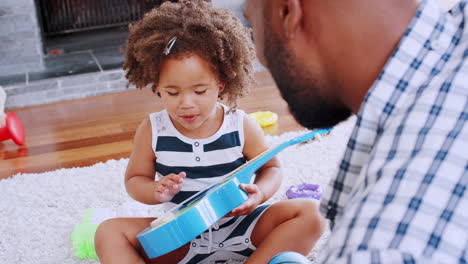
(195, 215)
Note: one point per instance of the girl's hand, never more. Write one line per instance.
(169, 186)
(255, 199)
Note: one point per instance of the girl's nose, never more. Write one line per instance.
(186, 101)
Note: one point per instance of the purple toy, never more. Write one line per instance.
(304, 190)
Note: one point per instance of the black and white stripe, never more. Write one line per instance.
(205, 161)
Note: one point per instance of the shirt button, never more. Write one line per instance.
(221, 245)
(194, 244)
(196, 144)
(197, 158)
(247, 240)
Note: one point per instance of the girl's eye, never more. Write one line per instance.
(200, 92)
(172, 93)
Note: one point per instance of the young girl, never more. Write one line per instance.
(192, 54)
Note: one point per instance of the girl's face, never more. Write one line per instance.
(189, 91)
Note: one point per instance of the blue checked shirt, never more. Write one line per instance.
(400, 195)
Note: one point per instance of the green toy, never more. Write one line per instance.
(83, 237)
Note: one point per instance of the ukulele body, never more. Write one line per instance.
(194, 219)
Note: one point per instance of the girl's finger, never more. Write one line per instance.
(177, 178)
(250, 188)
(159, 188)
(181, 177)
(172, 178)
(163, 182)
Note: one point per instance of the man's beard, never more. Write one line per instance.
(300, 89)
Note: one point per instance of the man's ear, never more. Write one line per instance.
(291, 17)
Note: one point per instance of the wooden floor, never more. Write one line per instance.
(86, 131)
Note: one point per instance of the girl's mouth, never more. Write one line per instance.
(189, 118)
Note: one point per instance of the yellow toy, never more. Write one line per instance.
(265, 118)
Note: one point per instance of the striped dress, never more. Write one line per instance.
(206, 161)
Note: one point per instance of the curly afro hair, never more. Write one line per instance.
(213, 34)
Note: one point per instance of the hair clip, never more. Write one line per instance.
(169, 45)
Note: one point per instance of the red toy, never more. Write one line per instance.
(10, 125)
(13, 129)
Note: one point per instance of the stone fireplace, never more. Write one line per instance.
(27, 27)
(55, 50)
(20, 37)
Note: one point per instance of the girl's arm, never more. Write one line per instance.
(140, 175)
(268, 177)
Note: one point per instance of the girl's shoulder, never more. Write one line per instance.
(143, 134)
(159, 120)
(233, 121)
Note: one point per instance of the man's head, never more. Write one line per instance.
(325, 55)
(303, 86)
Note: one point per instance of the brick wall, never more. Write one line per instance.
(20, 40)
(65, 88)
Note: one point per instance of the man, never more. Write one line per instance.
(401, 66)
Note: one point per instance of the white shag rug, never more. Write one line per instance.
(39, 211)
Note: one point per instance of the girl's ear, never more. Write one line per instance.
(156, 90)
(222, 84)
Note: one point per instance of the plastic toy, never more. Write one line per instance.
(196, 214)
(83, 237)
(289, 257)
(10, 125)
(304, 190)
(265, 118)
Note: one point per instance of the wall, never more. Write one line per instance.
(20, 40)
